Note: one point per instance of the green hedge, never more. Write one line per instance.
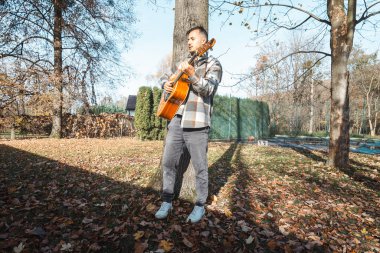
(98, 109)
(147, 124)
(158, 124)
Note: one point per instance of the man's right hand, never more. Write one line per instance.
(168, 86)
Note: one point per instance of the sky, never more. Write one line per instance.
(234, 47)
(155, 42)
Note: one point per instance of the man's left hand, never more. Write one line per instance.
(187, 69)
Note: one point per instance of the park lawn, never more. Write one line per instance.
(92, 195)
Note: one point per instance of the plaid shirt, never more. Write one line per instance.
(197, 108)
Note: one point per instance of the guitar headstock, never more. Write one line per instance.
(203, 49)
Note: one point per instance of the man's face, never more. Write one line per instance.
(195, 40)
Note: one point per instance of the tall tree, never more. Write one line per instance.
(57, 75)
(340, 18)
(366, 85)
(74, 42)
(273, 80)
(187, 15)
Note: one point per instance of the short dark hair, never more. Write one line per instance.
(201, 29)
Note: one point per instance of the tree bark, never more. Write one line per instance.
(371, 127)
(188, 14)
(84, 96)
(376, 114)
(13, 134)
(311, 122)
(58, 73)
(341, 38)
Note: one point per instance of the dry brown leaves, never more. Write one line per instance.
(90, 195)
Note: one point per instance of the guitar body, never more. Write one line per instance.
(170, 103)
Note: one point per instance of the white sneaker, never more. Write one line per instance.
(197, 214)
(164, 210)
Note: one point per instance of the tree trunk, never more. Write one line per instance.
(362, 113)
(341, 38)
(357, 119)
(58, 73)
(84, 95)
(93, 94)
(376, 114)
(371, 126)
(13, 135)
(339, 120)
(376, 117)
(311, 122)
(187, 15)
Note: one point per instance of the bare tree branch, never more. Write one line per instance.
(247, 76)
(269, 4)
(291, 28)
(364, 16)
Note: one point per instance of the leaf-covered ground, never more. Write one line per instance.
(91, 195)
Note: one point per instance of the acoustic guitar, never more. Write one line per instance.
(170, 102)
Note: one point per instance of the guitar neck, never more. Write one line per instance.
(191, 61)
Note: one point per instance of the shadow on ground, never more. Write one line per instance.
(49, 206)
(353, 170)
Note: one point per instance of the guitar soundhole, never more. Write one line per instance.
(166, 96)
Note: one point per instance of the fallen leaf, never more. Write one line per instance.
(36, 231)
(107, 231)
(165, 245)
(138, 235)
(12, 189)
(124, 208)
(4, 236)
(205, 233)
(96, 227)
(19, 248)
(249, 240)
(177, 228)
(144, 223)
(86, 220)
(283, 230)
(267, 233)
(227, 212)
(214, 200)
(245, 228)
(140, 247)
(66, 247)
(151, 208)
(187, 243)
(272, 244)
(95, 247)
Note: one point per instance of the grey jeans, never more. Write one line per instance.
(195, 140)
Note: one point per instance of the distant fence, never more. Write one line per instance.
(239, 119)
(73, 126)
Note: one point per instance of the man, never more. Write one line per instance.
(190, 125)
